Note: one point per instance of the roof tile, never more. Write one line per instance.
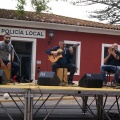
(52, 18)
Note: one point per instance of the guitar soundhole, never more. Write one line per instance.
(53, 57)
(59, 53)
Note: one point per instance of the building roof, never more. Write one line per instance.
(52, 18)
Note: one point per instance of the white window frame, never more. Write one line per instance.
(78, 53)
(103, 46)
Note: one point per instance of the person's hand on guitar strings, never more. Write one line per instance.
(55, 53)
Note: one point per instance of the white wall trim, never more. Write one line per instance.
(45, 25)
(102, 55)
(33, 59)
(78, 53)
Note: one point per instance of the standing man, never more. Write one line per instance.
(6, 49)
(112, 63)
(64, 61)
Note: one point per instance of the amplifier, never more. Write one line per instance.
(91, 81)
(48, 79)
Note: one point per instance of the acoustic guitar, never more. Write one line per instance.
(53, 58)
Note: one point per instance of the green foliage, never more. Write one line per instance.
(38, 5)
(110, 13)
(20, 7)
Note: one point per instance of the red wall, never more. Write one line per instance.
(91, 47)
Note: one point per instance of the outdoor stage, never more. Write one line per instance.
(31, 90)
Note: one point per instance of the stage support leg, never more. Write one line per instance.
(53, 107)
(84, 106)
(99, 107)
(6, 111)
(28, 113)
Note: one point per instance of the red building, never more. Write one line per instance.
(30, 36)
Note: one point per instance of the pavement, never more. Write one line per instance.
(67, 109)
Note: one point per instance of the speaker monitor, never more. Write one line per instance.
(3, 78)
(48, 79)
(91, 81)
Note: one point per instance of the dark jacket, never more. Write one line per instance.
(67, 56)
(114, 61)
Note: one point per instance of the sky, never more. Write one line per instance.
(58, 8)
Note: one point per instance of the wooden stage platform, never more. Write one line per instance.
(30, 90)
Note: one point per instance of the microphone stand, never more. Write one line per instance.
(19, 61)
(11, 65)
(63, 65)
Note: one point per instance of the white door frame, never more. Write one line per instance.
(33, 58)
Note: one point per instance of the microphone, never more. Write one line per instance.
(64, 48)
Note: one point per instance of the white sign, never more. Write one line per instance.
(23, 32)
(38, 62)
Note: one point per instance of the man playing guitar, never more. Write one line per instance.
(64, 60)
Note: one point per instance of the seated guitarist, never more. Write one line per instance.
(64, 61)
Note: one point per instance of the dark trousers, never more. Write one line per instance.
(15, 67)
(71, 67)
(109, 68)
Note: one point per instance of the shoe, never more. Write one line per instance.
(14, 79)
(71, 85)
(115, 84)
(109, 84)
(104, 83)
(28, 81)
(117, 87)
(62, 84)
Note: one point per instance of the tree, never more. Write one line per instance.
(111, 12)
(38, 5)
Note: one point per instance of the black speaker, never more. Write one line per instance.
(3, 78)
(48, 79)
(91, 81)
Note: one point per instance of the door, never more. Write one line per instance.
(23, 55)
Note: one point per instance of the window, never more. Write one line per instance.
(105, 51)
(76, 57)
